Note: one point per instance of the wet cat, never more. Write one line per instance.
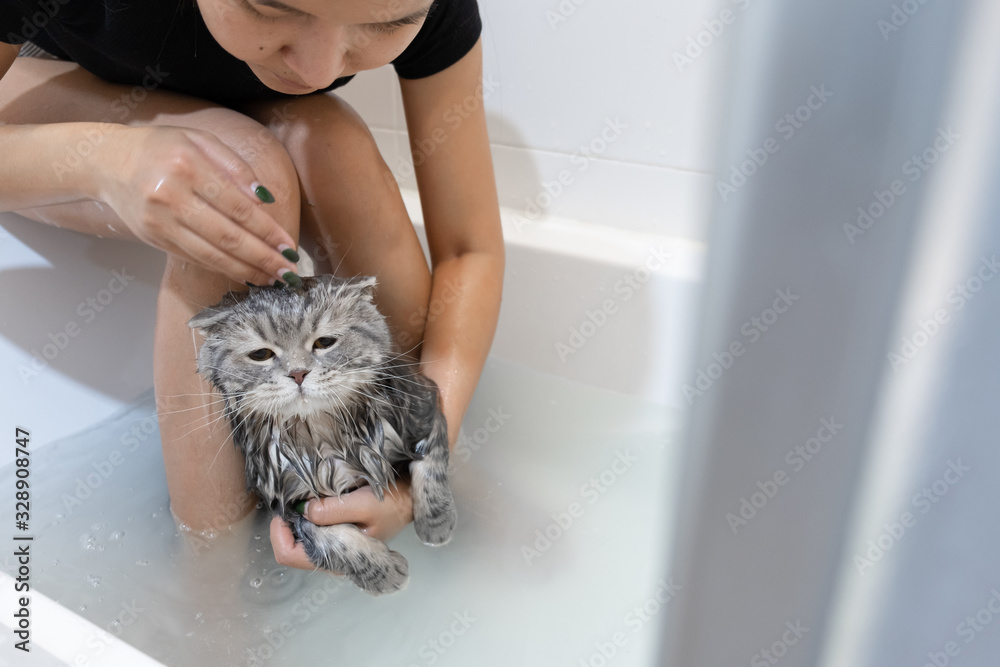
(320, 404)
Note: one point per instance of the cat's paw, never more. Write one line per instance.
(387, 573)
(434, 528)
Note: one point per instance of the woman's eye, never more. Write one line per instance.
(324, 342)
(383, 28)
(262, 354)
(256, 14)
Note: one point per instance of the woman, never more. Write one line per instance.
(196, 128)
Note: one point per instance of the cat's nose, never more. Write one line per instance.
(298, 376)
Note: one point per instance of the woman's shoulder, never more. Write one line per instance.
(451, 29)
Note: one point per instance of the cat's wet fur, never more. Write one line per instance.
(360, 415)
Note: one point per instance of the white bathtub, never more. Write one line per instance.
(607, 309)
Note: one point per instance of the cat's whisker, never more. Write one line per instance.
(356, 420)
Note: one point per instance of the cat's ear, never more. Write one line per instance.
(216, 314)
(365, 286)
(209, 317)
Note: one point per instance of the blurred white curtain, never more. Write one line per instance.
(841, 503)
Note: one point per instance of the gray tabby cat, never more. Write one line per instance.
(319, 405)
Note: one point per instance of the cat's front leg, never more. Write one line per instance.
(366, 561)
(434, 513)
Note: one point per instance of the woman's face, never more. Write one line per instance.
(298, 46)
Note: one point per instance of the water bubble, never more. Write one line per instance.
(256, 584)
(93, 580)
(200, 617)
(257, 536)
(87, 542)
(117, 535)
(116, 625)
(142, 563)
(83, 607)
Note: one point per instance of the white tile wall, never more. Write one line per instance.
(558, 84)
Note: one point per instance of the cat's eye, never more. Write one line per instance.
(263, 354)
(324, 342)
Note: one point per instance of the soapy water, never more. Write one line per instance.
(562, 491)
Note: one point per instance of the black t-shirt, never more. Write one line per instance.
(155, 43)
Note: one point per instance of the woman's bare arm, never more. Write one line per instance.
(462, 217)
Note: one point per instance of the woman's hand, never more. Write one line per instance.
(381, 520)
(187, 193)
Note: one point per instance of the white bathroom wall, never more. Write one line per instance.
(593, 91)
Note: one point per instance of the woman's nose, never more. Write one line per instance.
(317, 58)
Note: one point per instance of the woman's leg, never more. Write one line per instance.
(352, 206)
(204, 470)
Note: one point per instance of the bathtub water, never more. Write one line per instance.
(563, 492)
(583, 383)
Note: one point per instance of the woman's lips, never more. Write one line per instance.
(292, 84)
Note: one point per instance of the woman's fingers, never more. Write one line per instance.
(187, 244)
(229, 243)
(287, 551)
(226, 183)
(380, 520)
(359, 507)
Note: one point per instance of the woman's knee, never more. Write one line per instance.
(316, 130)
(264, 153)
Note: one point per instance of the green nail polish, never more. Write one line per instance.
(290, 255)
(278, 283)
(292, 279)
(263, 194)
(301, 507)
